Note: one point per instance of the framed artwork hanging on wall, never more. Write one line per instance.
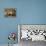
(10, 12)
(32, 32)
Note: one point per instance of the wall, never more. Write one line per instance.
(33, 12)
(8, 25)
(28, 12)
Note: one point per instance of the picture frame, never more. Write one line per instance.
(10, 12)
